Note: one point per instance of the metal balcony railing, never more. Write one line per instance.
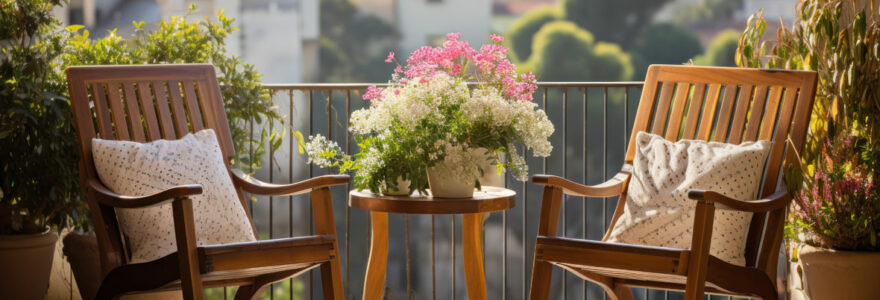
(593, 122)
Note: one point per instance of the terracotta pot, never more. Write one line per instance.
(821, 273)
(27, 263)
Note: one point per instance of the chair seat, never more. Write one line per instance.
(637, 265)
(233, 264)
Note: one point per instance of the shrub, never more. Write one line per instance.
(176, 40)
(38, 150)
(563, 51)
(521, 33)
(667, 44)
(721, 52)
(615, 21)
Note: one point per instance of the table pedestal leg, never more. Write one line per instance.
(472, 250)
(375, 279)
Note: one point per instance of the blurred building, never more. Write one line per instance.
(426, 22)
(280, 37)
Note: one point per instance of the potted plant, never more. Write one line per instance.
(441, 122)
(39, 193)
(834, 227)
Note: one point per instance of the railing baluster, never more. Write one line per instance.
(586, 172)
(311, 225)
(605, 157)
(290, 175)
(347, 208)
(564, 174)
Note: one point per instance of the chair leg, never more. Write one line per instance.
(542, 273)
(623, 292)
(249, 292)
(331, 277)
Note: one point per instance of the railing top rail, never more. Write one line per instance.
(541, 84)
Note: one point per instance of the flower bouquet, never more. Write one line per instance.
(443, 118)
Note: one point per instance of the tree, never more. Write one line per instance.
(564, 51)
(351, 45)
(523, 30)
(612, 21)
(664, 44)
(721, 52)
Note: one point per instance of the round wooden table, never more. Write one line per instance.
(472, 209)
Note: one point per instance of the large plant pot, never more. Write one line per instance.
(445, 186)
(26, 262)
(821, 273)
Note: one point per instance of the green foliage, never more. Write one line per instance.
(38, 149)
(707, 11)
(721, 52)
(523, 30)
(846, 54)
(612, 21)
(667, 44)
(563, 51)
(347, 41)
(177, 40)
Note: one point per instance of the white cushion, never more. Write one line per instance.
(136, 169)
(658, 212)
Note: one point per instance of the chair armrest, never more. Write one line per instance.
(107, 197)
(776, 201)
(256, 186)
(612, 187)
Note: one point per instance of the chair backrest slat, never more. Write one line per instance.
(134, 114)
(141, 103)
(709, 108)
(758, 107)
(120, 125)
(145, 96)
(724, 115)
(177, 108)
(169, 131)
(690, 128)
(192, 105)
(105, 125)
(660, 116)
(731, 105)
(681, 98)
(743, 101)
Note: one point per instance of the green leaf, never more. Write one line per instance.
(74, 28)
(300, 141)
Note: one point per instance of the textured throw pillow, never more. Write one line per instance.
(137, 169)
(657, 210)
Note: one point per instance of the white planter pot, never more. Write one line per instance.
(822, 273)
(443, 186)
(400, 188)
(26, 262)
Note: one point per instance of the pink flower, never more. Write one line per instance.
(397, 92)
(373, 93)
(496, 38)
(390, 57)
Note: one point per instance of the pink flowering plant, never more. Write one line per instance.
(838, 206)
(440, 106)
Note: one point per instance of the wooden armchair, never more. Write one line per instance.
(681, 102)
(146, 103)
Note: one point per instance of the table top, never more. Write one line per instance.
(488, 200)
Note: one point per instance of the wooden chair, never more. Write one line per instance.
(682, 102)
(146, 103)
